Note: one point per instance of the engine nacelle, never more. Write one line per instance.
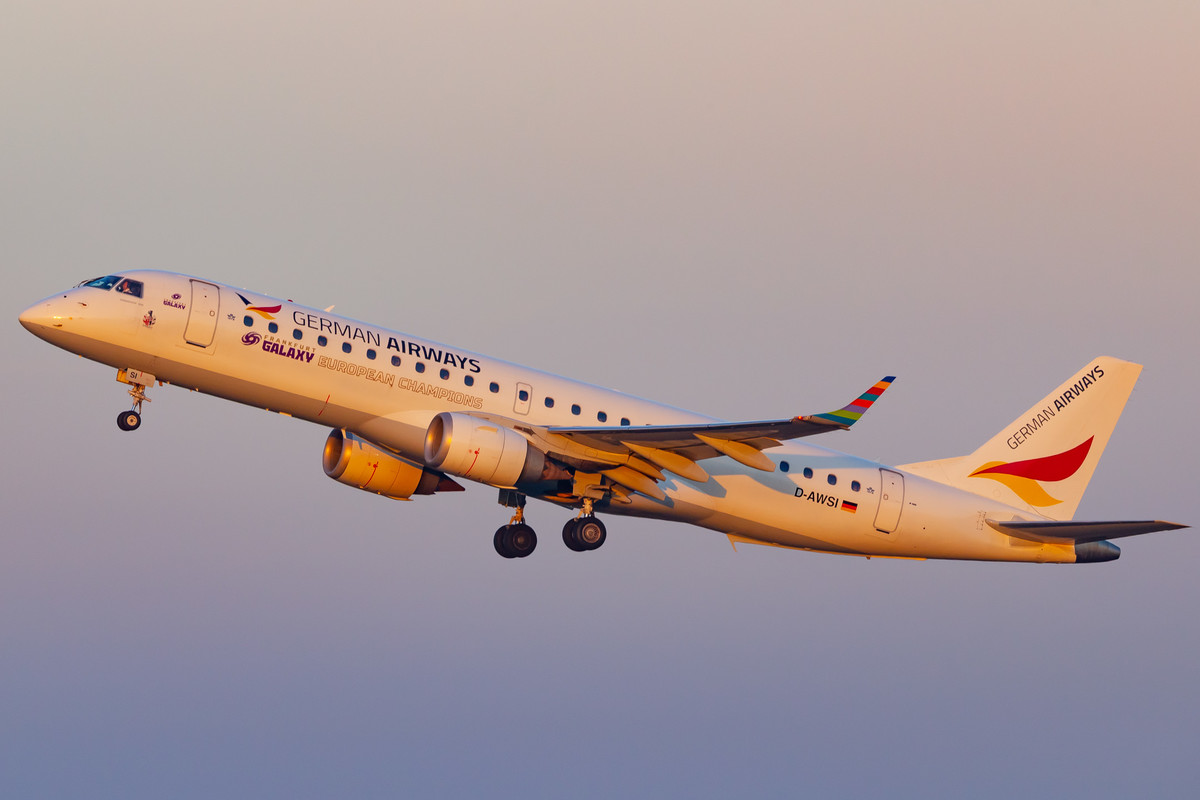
(480, 450)
(358, 463)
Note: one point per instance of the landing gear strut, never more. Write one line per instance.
(516, 539)
(585, 532)
(138, 381)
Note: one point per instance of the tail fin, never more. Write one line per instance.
(1045, 458)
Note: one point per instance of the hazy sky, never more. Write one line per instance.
(747, 209)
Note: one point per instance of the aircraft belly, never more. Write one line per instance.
(739, 504)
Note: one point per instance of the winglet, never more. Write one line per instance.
(847, 416)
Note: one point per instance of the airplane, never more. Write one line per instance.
(412, 417)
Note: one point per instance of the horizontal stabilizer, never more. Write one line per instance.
(1079, 532)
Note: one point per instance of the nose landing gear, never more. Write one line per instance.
(138, 381)
(129, 420)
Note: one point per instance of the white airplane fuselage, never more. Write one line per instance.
(387, 387)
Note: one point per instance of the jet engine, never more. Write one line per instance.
(482, 451)
(358, 463)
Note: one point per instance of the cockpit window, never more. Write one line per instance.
(130, 287)
(106, 283)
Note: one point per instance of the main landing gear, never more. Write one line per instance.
(517, 540)
(138, 381)
(585, 532)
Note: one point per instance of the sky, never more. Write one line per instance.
(751, 210)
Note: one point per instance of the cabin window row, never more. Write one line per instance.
(576, 409)
(831, 478)
(444, 374)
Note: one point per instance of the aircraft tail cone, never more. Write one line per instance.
(1089, 552)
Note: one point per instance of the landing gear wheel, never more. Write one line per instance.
(570, 538)
(521, 539)
(129, 420)
(591, 533)
(515, 541)
(584, 533)
(500, 543)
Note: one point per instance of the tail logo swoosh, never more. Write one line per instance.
(1025, 478)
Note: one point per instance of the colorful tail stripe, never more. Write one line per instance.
(852, 413)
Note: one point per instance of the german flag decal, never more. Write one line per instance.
(848, 506)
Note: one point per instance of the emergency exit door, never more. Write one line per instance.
(891, 501)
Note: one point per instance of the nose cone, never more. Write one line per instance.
(44, 316)
(35, 317)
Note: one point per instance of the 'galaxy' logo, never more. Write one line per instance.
(266, 312)
(1025, 478)
(251, 338)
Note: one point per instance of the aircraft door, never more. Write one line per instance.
(202, 315)
(524, 398)
(891, 501)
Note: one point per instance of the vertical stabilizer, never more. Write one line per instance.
(1044, 459)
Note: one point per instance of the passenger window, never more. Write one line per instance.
(297, 335)
(832, 479)
(321, 340)
(855, 486)
(524, 395)
(272, 327)
(395, 361)
(493, 387)
(370, 354)
(549, 402)
(420, 366)
(624, 421)
(248, 321)
(601, 416)
(131, 288)
(345, 347)
(784, 466)
(808, 473)
(576, 410)
(469, 380)
(445, 374)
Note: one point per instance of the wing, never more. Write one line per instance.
(651, 448)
